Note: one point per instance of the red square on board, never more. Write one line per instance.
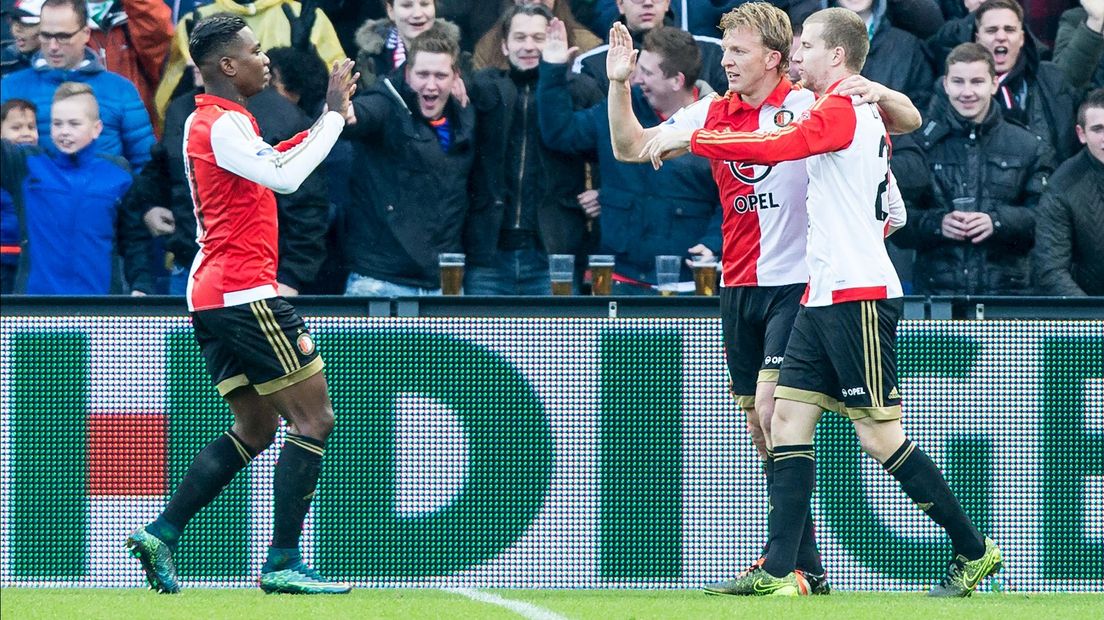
(126, 454)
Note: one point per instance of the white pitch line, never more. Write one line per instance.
(526, 610)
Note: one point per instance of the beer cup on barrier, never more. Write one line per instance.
(667, 274)
(705, 275)
(452, 273)
(601, 274)
(561, 270)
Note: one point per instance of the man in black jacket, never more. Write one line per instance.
(974, 225)
(1032, 92)
(413, 142)
(528, 200)
(1069, 253)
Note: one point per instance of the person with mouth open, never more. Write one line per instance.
(413, 141)
(1032, 92)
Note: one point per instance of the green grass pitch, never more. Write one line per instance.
(364, 603)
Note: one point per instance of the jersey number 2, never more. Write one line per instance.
(879, 212)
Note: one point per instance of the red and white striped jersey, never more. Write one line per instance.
(765, 222)
(232, 173)
(847, 153)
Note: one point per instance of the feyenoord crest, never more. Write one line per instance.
(746, 172)
(305, 343)
(783, 118)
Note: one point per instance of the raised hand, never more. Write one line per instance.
(555, 49)
(621, 57)
(341, 87)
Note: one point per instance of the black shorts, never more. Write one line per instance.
(843, 358)
(756, 323)
(264, 344)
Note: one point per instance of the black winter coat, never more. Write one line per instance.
(1002, 166)
(408, 197)
(561, 224)
(1069, 251)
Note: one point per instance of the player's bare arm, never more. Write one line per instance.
(627, 134)
(898, 113)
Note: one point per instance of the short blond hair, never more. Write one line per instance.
(68, 90)
(844, 28)
(772, 24)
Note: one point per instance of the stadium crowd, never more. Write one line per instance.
(469, 138)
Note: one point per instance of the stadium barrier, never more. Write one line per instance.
(541, 443)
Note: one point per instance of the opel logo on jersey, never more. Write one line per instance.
(746, 172)
(783, 118)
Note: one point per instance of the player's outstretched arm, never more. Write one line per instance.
(284, 167)
(899, 114)
(628, 136)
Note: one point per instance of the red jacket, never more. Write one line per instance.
(134, 43)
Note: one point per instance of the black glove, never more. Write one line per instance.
(302, 25)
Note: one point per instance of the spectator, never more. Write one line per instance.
(488, 51)
(277, 23)
(526, 197)
(896, 59)
(18, 126)
(974, 225)
(474, 17)
(300, 77)
(410, 196)
(1069, 257)
(959, 28)
(918, 17)
(68, 203)
(64, 57)
(382, 43)
(132, 38)
(1032, 92)
(643, 212)
(640, 18)
(1079, 48)
(23, 18)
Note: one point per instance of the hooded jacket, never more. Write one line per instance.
(70, 220)
(408, 198)
(374, 59)
(1004, 168)
(271, 27)
(127, 132)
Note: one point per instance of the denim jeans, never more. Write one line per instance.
(371, 287)
(516, 272)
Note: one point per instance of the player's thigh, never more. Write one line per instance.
(807, 375)
(742, 336)
(305, 405)
(777, 306)
(862, 346)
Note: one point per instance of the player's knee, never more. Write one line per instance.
(875, 445)
(257, 434)
(318, 423)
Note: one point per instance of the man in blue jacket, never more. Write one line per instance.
(68, 206)
(644, 213)
(64, 57)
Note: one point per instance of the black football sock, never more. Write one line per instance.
(213, 468)
(296, 477)
(794, 476)
(924, 484)
(768, 471)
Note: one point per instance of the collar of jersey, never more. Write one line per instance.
(775, 99)
(226, 104)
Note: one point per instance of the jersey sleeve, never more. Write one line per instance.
(692, 116)
(895, 207)
(238, 149)
(827, 127)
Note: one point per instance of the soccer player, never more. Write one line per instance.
(258, 350)
(841, 354)
(765, 219)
